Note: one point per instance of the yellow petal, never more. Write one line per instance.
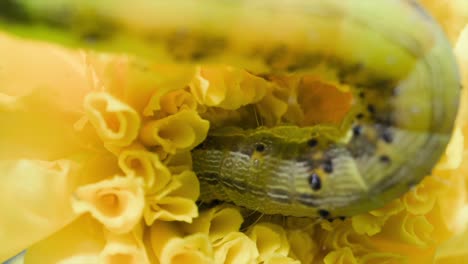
(170, 247)
(115, 122)
(124, 249)
(452, 15)
(189, 185)
(227, 87)
(303, 247)
(144, 164)
(181, 131)
(117, 203)
(41, 97)
(176, 101)
(171, 209)
(340, 234)
(340, 256)
(280, 259)
(52, 72)
(208, 86)
(455, 250)
(382, 258)
(235, 248)
(216, 222)
(272, 109)
(421, 199)
(34, 201)
(137, 82)
(371, 223)
(79, 242)
(176, 202)
(179, 162)
(408, 228)
(270, 239)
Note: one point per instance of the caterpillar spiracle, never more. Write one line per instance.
(392, 55)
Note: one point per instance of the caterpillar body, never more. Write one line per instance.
(392, 54)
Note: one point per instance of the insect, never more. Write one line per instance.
(392, 54)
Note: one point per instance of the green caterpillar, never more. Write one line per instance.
(391, 52)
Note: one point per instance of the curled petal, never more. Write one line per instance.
(179, 162)
(176, 202)
(171, 78)
(340, 256)
(280, 259)
(303, 247)
(34, 201)
(208, 86)
(270, 239)
(116, 123)
(181, 131)
(133, 80)
(189, 185)
(227, 87)
(217, 222)
(368, 224)
(371, 223)
(235, 248)
(342, 235)
(171, 209)
(272, 109)
(421, 199)
(127, 249)
(144, 164)
(176, 101)
(408, 228)
(117, 203)
(170, 247)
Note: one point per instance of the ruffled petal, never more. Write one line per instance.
(179, 132)
(117, 203)
(235, 248)
(216, 222)
(371, 223)
(176, 101)
(408, 228)
(303, 247)
(176, 202)
(116, 123)
(227, 87)
(171, 247)
(340, 256)
(270, 240)
(144, 164)
(280, 259)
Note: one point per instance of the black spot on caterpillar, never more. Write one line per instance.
(400, 68)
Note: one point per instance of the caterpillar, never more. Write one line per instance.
(392, 54)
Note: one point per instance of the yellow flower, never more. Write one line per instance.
(96, 164)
